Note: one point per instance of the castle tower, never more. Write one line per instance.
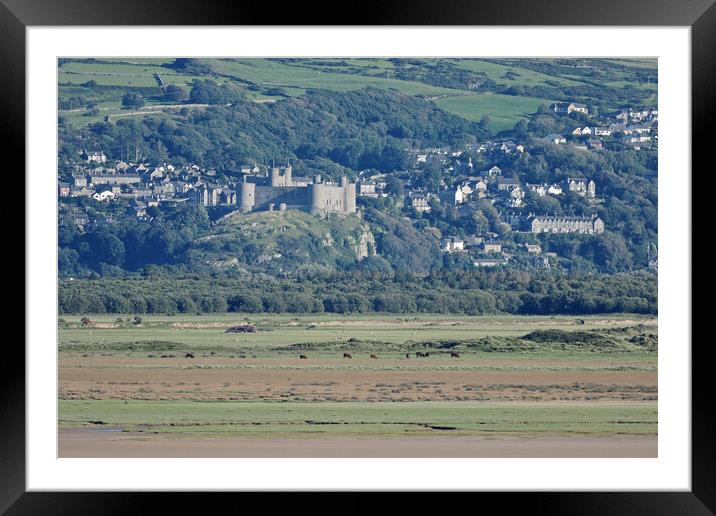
(287, 172)
(317, 199)
(349, 202)
(274, 175)
(247, 196)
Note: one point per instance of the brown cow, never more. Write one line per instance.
(454, 354)
(373, 356)
(347, 355)
(189, 355)
(303, 357)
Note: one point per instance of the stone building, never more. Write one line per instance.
(279, 190)
(582, 187)
(563, 224)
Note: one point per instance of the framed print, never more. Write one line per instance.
(423, 257)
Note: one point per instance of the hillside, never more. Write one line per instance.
(284, 241)
(470, 88)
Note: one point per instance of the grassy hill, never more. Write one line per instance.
(279, 241)
(444, 81)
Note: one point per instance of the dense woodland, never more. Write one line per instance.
(456, 292)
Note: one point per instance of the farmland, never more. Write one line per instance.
(444, 81)
(126, 382)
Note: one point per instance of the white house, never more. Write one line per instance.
(106, 195)
(452, 245)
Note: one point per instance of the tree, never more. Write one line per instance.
(132, 101)
(394, 185)
(175, 93)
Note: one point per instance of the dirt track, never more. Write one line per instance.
(81, 443)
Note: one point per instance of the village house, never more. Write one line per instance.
(63, 189)
(489, 262)
(637, 138)
(554, 189)
(595, 144)
(602, 131)
(494, 171)
(507, 183)
(473, 241)
(79, 180)
(544, 189)
(480, 188)
(94, 157)
(492, 247)
(556, 138)
(419, 202)
(366, 189)
(516, 197)
(106, 195)
(566, 108)
(533, 248)
(537, 188)
(453, 197)
(581, 186)
(115, 179)
(565, 224)
(452, 245)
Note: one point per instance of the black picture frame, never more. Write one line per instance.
(700, 15)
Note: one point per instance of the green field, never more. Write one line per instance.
(504, 110)
(349, 419)
(271, 73)
(282, 330)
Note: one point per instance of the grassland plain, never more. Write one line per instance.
(511, 380)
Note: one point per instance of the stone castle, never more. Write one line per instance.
(280, 191)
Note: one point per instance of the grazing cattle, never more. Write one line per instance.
(407, 355)
(373, 356)
(242, 356)
(454, 354)
(347, 355)
(189, 355)
(303, 357)
(422, 354)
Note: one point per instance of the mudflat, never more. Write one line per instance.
(82, 443)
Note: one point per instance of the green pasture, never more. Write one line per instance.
(504, 110)
(283, 330)
(274, 74)
(361, 419)
(525, 76)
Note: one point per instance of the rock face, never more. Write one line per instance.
(366, 245)
(287, 241)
